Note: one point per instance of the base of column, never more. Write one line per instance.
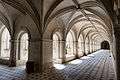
(47, 66)
(12, 64)
(85, 54)
(38, 68)
(30, 67)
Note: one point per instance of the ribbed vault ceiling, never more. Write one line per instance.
(88, 17)
(84, 16)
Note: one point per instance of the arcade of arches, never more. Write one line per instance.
(41, 33)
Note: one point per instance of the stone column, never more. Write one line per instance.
(94, 46)
(62, 51)
(117, 45)
(84, 48)
(77, 50)
(35, 54)
(47, 53)
(88, 47)
(12, 53)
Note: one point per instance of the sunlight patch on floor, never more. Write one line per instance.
(85, 57)
(77, 61)
(59, 66)
(91, 55)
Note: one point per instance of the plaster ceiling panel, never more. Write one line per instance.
(11, 12)
(102, 36)
(100, 27)
(79, 20)
(93, 33)
(97, 36)
(96, 24)
(53, 24)
(24, 3)
(100, 20)
(104, 16)
(63, 4)
(87, 22)
(1, 24)
(88, 29)
(87, 12)
(82, 1)
(81, 24)
(21, 1)
(66, 17)
(37, 3)
(2, 9)
(76, 14)
(98, 9)
(47, 5)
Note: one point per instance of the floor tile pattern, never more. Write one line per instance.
(96, 66)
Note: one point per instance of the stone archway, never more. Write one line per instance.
(22, 48)
(87, 46)
(105, 45)
(70, 43)
(56, 50)
(80, 46)
(70, 46)
(5, 44)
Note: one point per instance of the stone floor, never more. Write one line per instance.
(96, 66)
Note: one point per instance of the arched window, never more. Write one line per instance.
(93, 46)
(55, 47)
(87, 45)
(24, 47)
(5, 44)
(90, 46)
(69, 44)
(80, 46)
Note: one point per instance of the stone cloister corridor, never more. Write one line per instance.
(95, 66)
(60, 39)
